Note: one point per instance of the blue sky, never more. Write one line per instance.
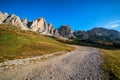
(79, 14)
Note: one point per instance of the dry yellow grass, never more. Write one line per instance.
(111, 63)
(16, 43)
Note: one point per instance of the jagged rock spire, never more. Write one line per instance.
(64, 31)
(38, 25)
(3, 17)
(15, 20)
(24, 21)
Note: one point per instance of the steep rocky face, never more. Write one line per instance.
(3, 17)
(49, 29)
(39, 25)
(63, 31)
(15, 20)
(56, 32)
(24, 21)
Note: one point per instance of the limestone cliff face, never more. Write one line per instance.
(63, 31)
(25, 22)
(42, 27)
(39, 25)
(56, 33)
(15, 20)
(3, 17)
(49, 29)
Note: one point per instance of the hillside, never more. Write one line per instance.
(98, 37)
(21, 38)
(111, 64)
(16, 43)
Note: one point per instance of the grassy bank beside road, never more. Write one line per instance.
(111, 63)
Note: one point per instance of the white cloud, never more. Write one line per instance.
(114, 25)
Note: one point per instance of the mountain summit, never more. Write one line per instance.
(40, 26)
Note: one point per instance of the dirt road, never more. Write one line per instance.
(82, 64)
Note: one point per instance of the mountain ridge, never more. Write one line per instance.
(40, 26)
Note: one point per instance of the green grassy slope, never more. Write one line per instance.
(16, 43)
(111, 63)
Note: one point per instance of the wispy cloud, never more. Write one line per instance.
(113, 25)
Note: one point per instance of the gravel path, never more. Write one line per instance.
(82, 64)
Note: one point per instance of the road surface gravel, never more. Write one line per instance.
(84, 63)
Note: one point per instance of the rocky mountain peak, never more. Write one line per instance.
(104, 32)
(40, 26)
(50, 29)
(6, 14)
(3, 16)
(37, 25)
(97, 34)
(41, 19)
(24, 21)
(15, 20)
(65, 31)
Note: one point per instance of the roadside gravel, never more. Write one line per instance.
(84, 63)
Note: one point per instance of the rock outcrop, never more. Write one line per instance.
(39, 25)
(15, 20)
(56, 32)
(3, 17)
(63, 31)
(42, 27)
(25, 22)
(49, 29)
